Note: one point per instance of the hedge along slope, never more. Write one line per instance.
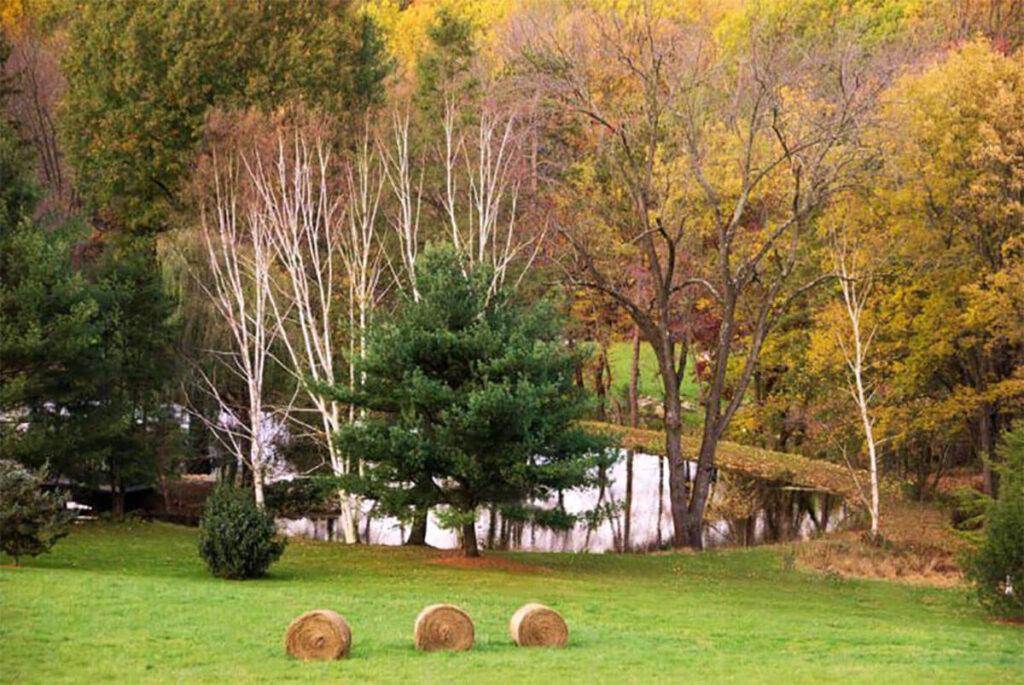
(443, 627)
(750, 461)
(535, 625)
(319, 634)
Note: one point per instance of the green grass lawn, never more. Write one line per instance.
(620, 359)
(133, 603)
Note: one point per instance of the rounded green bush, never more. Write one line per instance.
(236, 539)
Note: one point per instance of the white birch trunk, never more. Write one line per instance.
(238, 284)
(855, 288)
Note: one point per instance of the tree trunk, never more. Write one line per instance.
(366, 527)
(469, 546)
(600, 389)
(678, 487)
(708, 446)
(116, 497)
(257, 486)
(634, 421)
(418, 529)
(701, 493)
(872, 462)
(661, 499)
(165, 493)
(664, 350)
(492, 527)
(986, 447)
(349, 519)
(628, 505)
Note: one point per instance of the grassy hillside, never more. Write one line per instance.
(133, 603)
(620, 358)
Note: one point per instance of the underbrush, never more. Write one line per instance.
(856, 557)
(918, 545)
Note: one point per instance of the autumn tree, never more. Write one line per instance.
(722, 146)
(143, 76)
(844, 341)
(936, 224)
(952, 142)
(30, 75)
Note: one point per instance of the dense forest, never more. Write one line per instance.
(790, 224)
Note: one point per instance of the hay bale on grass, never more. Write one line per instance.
(320, 634)
(443, 627)
(536, 625)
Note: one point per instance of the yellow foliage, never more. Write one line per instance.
(11, 13)
(406, 29)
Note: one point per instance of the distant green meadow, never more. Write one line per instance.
(620, 360)
(133, 603)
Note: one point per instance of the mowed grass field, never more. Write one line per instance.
(133, 603)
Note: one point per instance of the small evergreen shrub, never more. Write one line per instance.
(31, 520)
(970, 508)
(997, 566)
(236, 539)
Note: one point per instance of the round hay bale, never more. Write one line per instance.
(320, 634)
(443, 627)
(536, 625)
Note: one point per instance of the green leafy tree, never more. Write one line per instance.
(88, 355)
(31, 520)
(143, 76)
(470, 402)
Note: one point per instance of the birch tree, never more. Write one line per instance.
(239, 255)
(856, 288)
(484, 169)
(363, 256)
(480, 170)
(305, 214)
(361, 250)
(407, 191)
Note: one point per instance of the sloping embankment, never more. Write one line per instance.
(749, 461)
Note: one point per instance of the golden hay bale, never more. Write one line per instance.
(536, 625)
(319, 634)
(443, 627)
